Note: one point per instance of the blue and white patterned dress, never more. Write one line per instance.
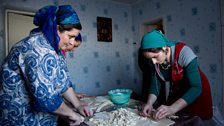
(33, 78)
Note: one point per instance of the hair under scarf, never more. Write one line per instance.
(48, 17)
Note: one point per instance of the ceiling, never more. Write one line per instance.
(126, 1)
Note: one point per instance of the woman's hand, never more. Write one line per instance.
(146, 111)
(163, 111)
(84, 110)
(75, 119)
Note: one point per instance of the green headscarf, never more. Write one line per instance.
(155, 39)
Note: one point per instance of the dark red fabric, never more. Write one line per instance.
(202, 107)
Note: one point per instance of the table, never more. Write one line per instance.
(103, 103)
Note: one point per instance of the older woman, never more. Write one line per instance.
(34, 77)
(175, 62)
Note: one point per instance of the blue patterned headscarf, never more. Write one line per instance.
(48, 17)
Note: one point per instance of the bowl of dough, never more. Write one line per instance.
(120, 96)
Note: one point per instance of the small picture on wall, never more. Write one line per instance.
(104, 29)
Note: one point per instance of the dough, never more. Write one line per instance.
(124, 117)
(120, 117)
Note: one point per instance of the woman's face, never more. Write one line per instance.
(71, 47)
(67, 40)
(157, 58)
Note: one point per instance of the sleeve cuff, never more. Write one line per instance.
(48, 104)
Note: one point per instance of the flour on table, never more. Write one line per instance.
(98, 103)
(123, 117)
(120, 117)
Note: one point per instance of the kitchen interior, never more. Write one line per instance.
(100, 65)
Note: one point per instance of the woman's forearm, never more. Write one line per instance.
(151, 99)
(70, 96)
(178, 105)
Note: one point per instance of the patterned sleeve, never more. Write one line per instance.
(46, 77)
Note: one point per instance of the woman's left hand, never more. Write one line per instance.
(84, 110)
(162, 112)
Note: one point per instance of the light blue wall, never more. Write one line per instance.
(96, 67)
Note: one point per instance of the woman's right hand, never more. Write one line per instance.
(75, 119)
(146, 111)
(84, 110)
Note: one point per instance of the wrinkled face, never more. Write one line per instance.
(67, 40)
(157, 58)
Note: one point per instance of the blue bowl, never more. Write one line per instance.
(120, 96)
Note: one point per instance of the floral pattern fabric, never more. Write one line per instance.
(33, 78)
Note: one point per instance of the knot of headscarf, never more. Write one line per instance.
(48, 17)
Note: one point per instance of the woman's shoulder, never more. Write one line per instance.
(34, 43)
(35, 36)
(38, 41)
(186, 55)
(29, 41)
